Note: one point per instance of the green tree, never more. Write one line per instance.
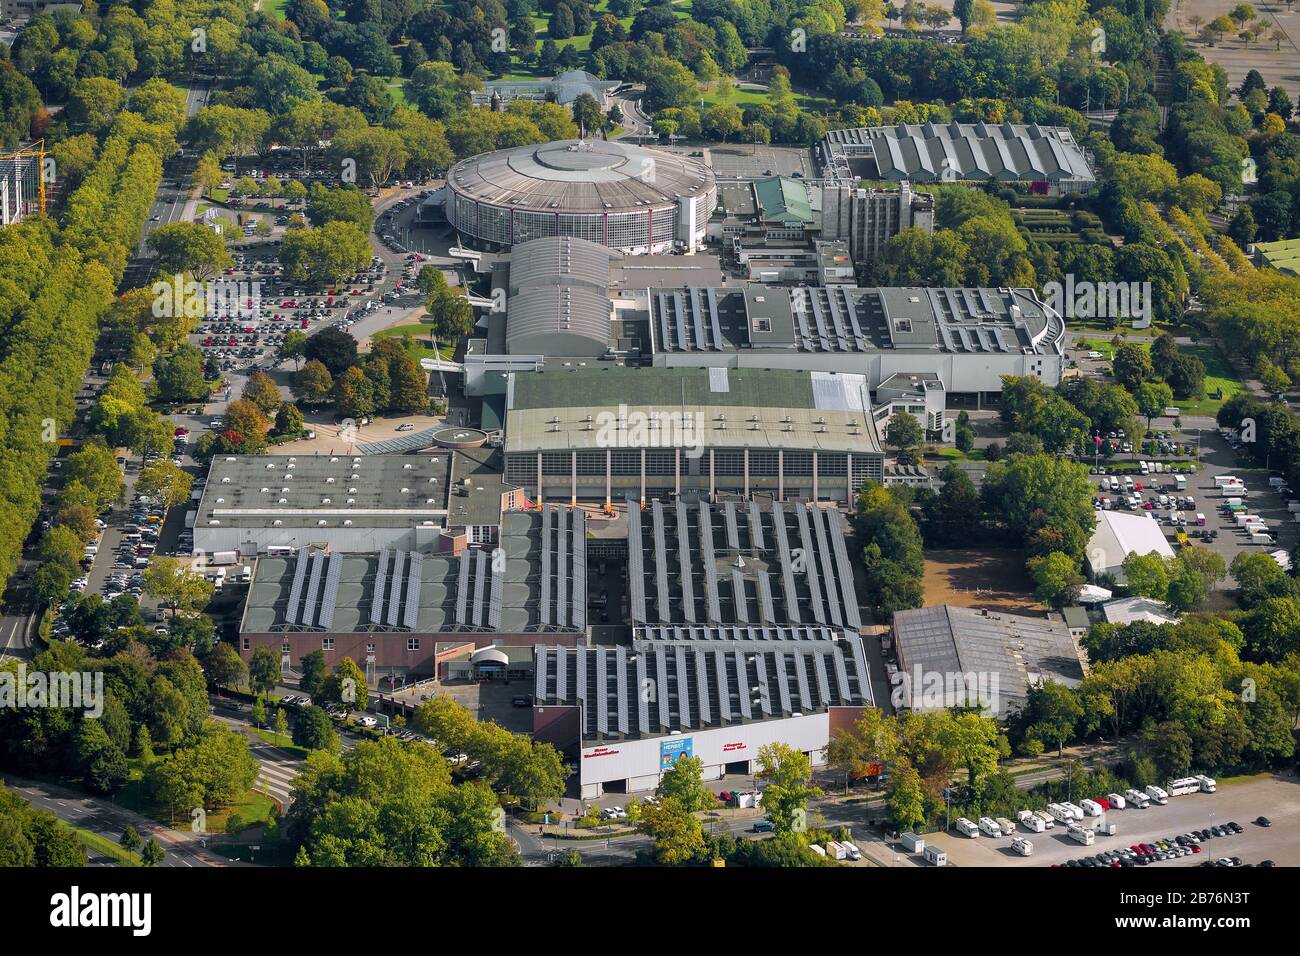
(684, 782)
(264, 670)
(788, 788)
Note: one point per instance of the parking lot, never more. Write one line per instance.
(1277, 798)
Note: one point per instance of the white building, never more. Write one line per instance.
(1117, 536)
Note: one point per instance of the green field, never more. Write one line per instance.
(415, 337)
(97, 845)
(274, 7)
(1219, 375)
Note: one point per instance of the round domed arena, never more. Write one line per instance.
(631, 199)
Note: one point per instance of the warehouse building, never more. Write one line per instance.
(951, 656)
(253, 504)
(635, 711)
(391, 609)
(605, 433)
(1046, 156)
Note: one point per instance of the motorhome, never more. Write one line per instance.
(1138, 799)
(1183, 785)
(1117, 802)
(1157, 795)
(966, 828)
(1075, 809)
(1091, 808)
(1061, 813)
(1049, 821)
(990, 827)
(1031, 821)
(1207, 783)
(1082, 835)
(1022, 846)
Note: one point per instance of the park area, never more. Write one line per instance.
(991, 578)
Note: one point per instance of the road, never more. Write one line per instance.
(180, 848)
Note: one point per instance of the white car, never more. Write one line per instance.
(406, 427)
(367, 722)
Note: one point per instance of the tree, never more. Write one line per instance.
(130, 839)
(1132, 366)
(333, 348)
(246, 420)
(179, 375)
(1053, 712)
(684, 783)
(677, 834)
(906, 798)
(281, 723)
(1146, 575)
(1056, 578)
(312, 671)
(293, 347)
(313, 730)
(176, 586)
(312, 384)
(224, 667)
(189, 247)
(165, 483)
(1152, 399)
(904, 433)
(152, 854)
(788, 789)
(264, 670)
(94, 469)
(864, 748)
(261, 390)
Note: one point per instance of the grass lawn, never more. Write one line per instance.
(397, 89)
(252, 808)
(217, 194)
(284, 743)
(947, 453)
(97, 845)
(417, 340)
(1219, 377)
(274, 7)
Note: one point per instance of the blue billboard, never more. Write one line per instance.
(673, 748)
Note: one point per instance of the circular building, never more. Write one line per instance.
(635, 200)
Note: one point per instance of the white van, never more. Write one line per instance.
(966, 828)
(850, 850)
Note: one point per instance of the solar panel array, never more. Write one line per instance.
(706, 571)
(667, 686)
(563, 583)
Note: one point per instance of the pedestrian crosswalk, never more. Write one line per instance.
(275, 780)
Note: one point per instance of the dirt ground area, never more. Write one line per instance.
(1276, 58)
(994, 578)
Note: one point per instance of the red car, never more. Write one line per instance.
(182, 431)
(232, 341)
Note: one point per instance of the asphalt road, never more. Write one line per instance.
(181, 849)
